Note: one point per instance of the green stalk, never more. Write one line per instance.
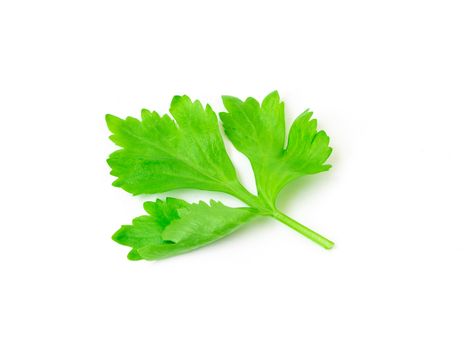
(264, 209)
(315, 237)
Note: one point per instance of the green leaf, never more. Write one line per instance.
(159, 154)
(258, 131)
(174, 227)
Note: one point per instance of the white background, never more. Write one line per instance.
(391, 83)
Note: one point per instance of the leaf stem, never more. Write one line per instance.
(315, 237)
(240, 192)
(263, 208)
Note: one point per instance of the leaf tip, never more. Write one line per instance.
(274, 95)
(120, 235)
(179, 99)
(133, 255)
(112, 122)
(230, 101)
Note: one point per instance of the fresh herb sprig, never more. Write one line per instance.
(160, 154)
